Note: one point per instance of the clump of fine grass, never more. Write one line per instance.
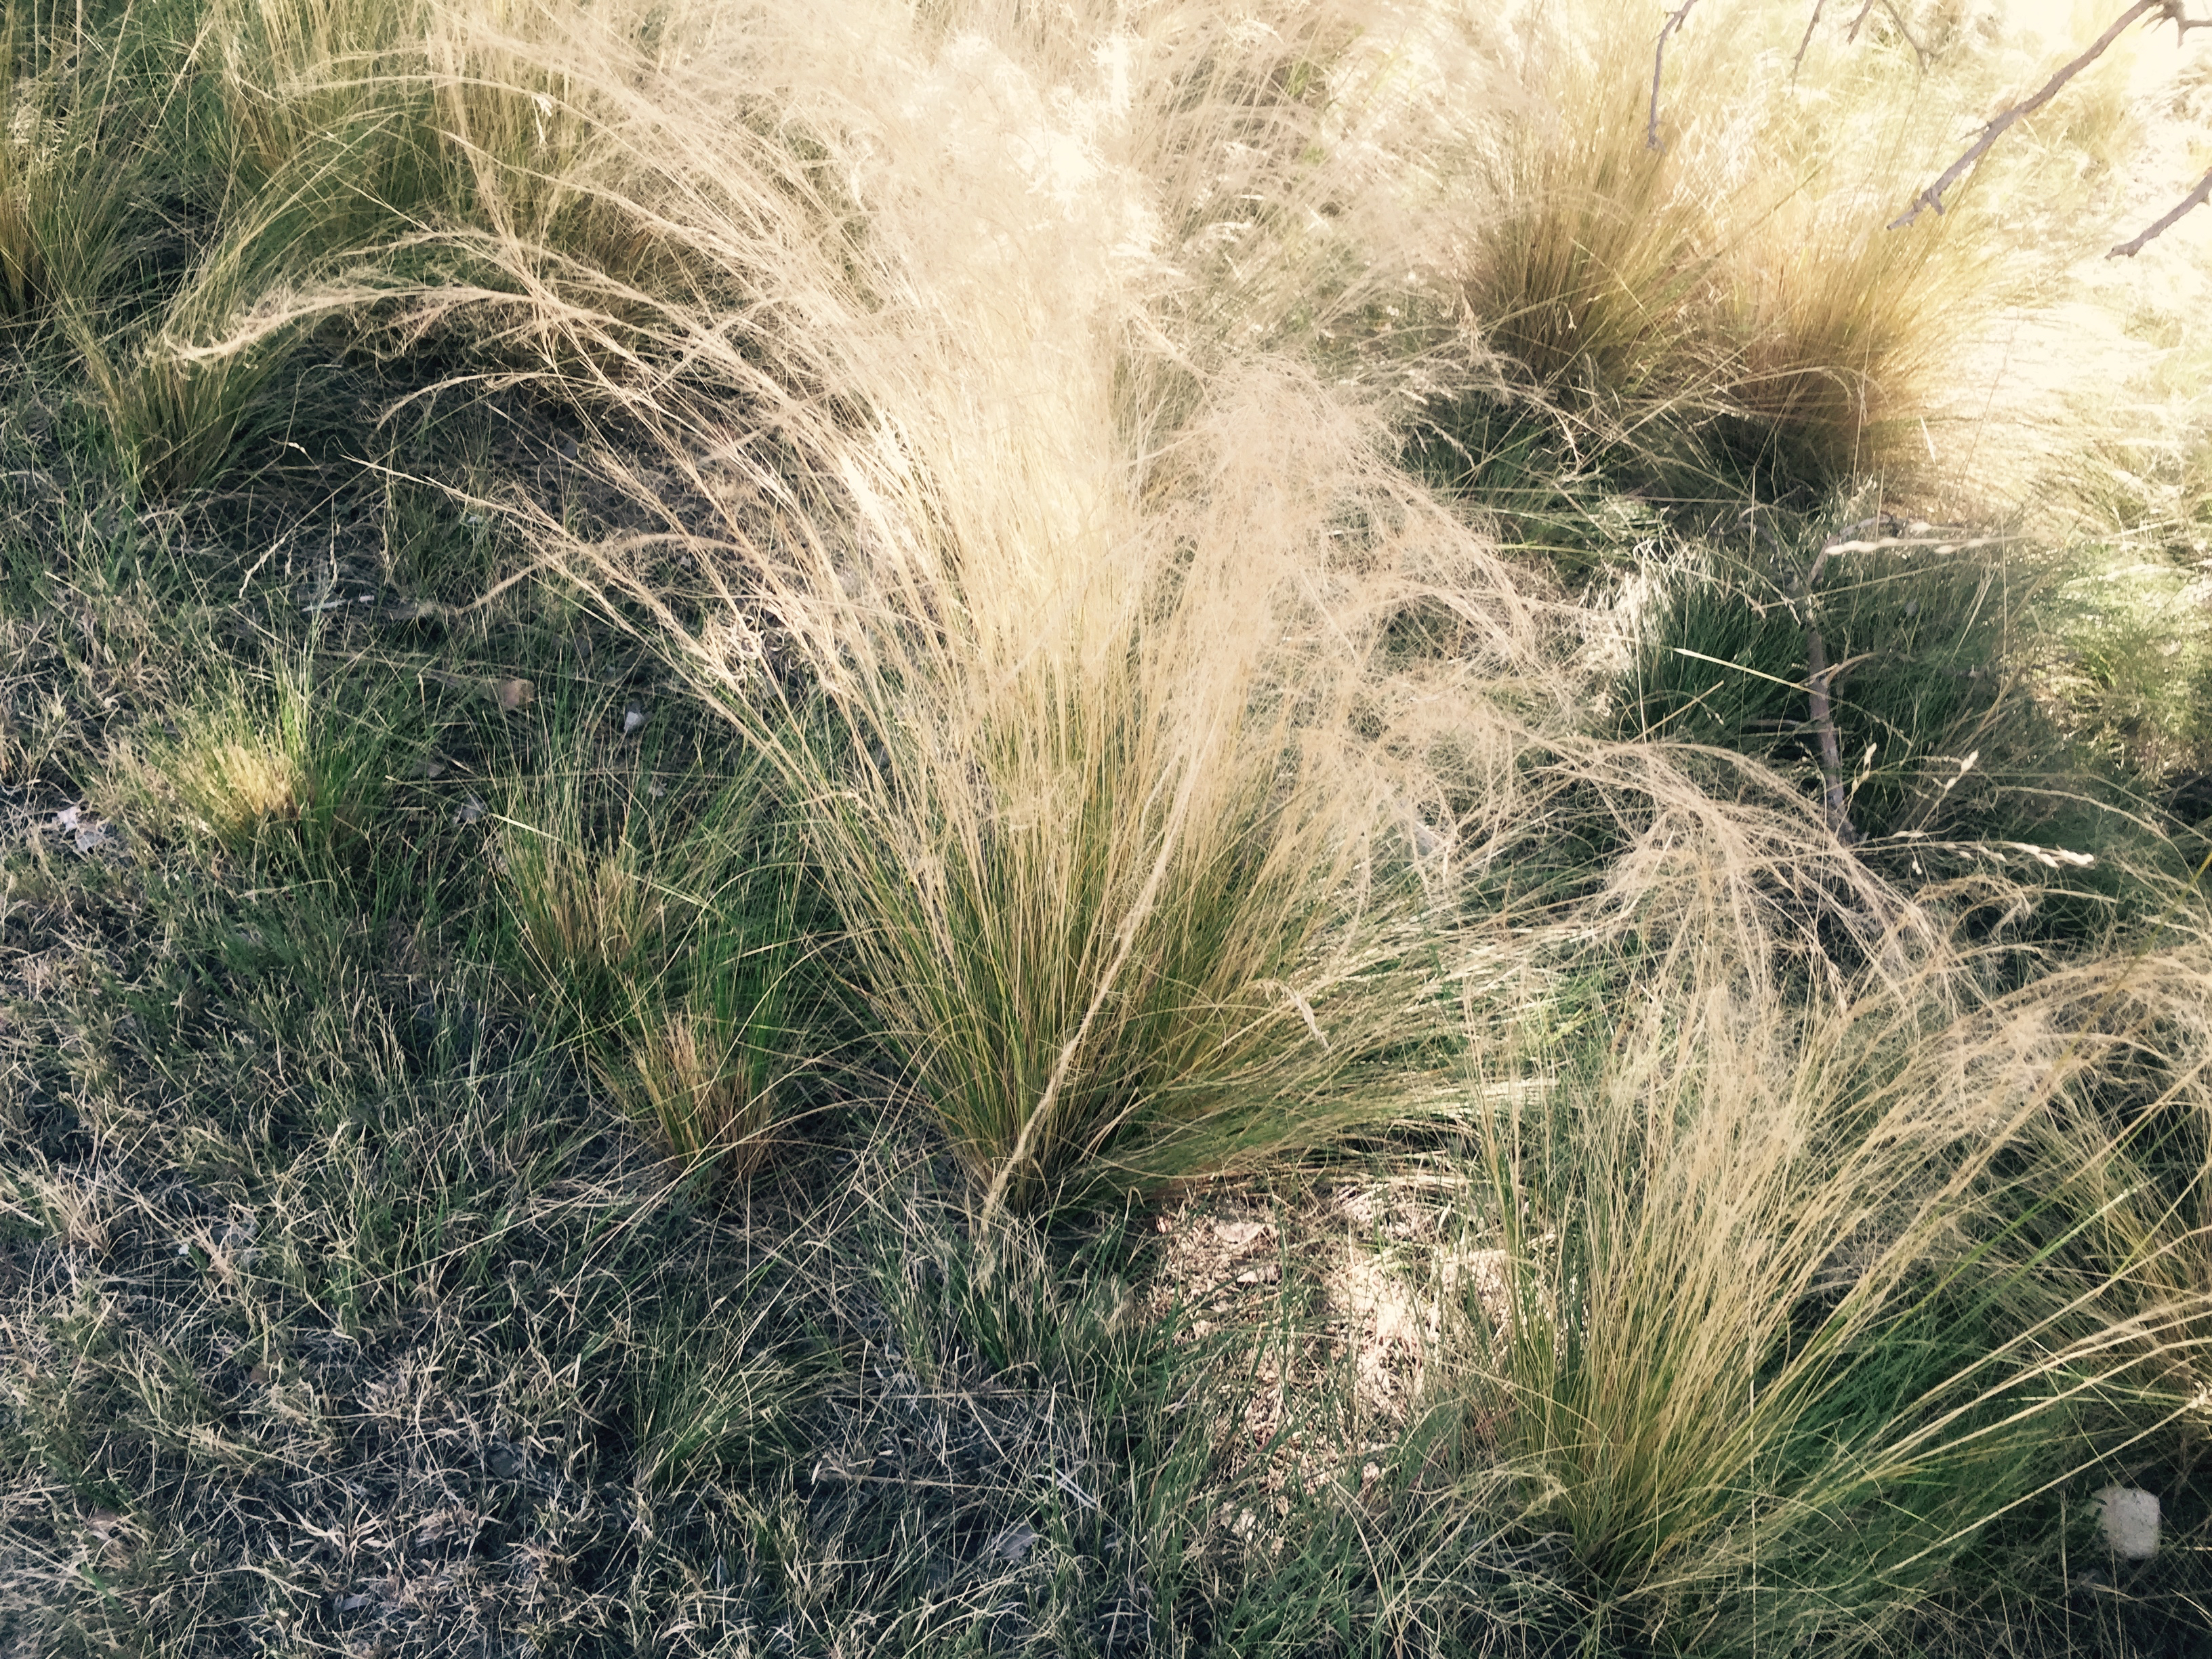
(258, 754)
(1129, 892)
(236, 784)
(717, 1066)
(1721, 290)
(192, 202)
(1806, 1301)
(66, 161)
(177, 418)
(1590, 250)
(701, 1075)
(669, 941)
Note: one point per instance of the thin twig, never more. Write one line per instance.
(1904, 28)
(2181, 21)
(1819, 676)
(1933, 195)
(2195, 199)
(1675, 19)
(1852, 34)
(1814, 22)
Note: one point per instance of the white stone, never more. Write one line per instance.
(2129, 1517)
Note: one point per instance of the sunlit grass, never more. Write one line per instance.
(1802, 1307)
(1110, 775)
(238, 764)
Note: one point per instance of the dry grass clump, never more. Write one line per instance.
(62, 196)
(1738, 277)
(1585, 249)
(693, 1074)
(1136, 900)
(274, 745)
(580, 916)
(305, 159)
(1831, 337)
(668, 940)
(1806, 1299)
(1130, 888)
(238, 785)
(237, 763)
(178, 417)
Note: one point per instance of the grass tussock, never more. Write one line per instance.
(1718, 300)
(61, 199)
(1801, 1309)
(1135, 897)
(253, 758)
(669, 942)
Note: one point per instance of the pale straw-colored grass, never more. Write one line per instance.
(1807, 1296)
(1145, 835)
(1106, 782)
(237, 762)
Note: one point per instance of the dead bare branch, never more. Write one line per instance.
(1852, 34)
(2176, 15)
(1818, 677)
(2195, 199)
(1904, 28)
(1811, 23)
(1832, 794)
(1675, 19)
(1933, 195)
(1820, 673)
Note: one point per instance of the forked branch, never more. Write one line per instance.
(2195, 199)
(2168, 11)
(2181, 21)
(1933, 195)
(1675, 19)
(1904, 31)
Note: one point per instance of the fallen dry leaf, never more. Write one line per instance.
(513, 693)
